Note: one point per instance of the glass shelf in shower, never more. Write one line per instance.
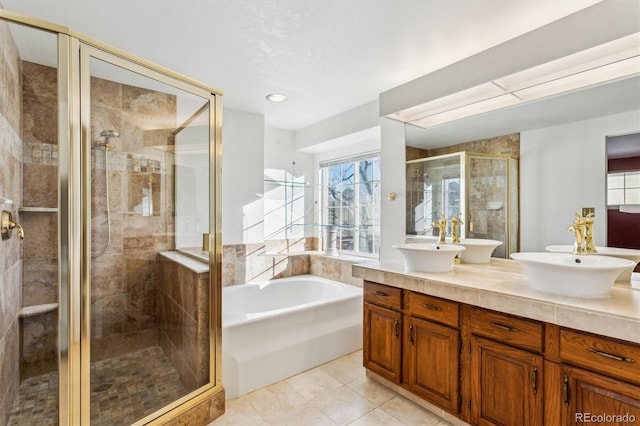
(289, 183)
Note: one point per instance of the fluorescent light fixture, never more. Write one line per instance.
(449, 102)
(486, 105)
(584, 61)
(276, 97)
(616, 60)
(606, 73)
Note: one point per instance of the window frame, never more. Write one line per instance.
(624, 188)
(356, 204)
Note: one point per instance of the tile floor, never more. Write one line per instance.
(335, 393)
(126, 388)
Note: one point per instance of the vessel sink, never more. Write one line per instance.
(477, 250)
(623, 253)
(571, 275)
(428, 257)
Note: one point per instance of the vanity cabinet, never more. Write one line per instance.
(585, 393)
(490, 368)
(606, 379)
(382, 331)
(431, 352)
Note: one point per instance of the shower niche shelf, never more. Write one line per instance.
(29, 311)
(38, 210)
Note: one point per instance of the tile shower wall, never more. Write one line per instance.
(10, 187)
(125, 278)
(506, 144)
(39, 217)
(184, 321)
(124, 273)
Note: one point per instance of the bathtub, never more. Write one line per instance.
(278, 328)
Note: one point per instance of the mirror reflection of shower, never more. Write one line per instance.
(103, 142)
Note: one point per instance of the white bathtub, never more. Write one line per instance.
(278, 328)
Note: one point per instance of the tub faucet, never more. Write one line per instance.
(455, 221)
(442, 227)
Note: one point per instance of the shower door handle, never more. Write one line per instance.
(8, 225)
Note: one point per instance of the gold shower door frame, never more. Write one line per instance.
(88, 51)
(74, 224)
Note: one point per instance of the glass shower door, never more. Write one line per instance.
(30, 300)
(146, 318)
(489, 200)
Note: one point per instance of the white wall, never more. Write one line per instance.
(348, 123)
(392, 173)
(563, 169)
(243, 136)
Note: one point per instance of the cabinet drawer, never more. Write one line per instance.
(383, 295)
(433, 308)
(521, 332)
(601, 354)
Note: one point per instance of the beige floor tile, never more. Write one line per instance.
(239, 412)
(371, 390)
(313, 383)
(409, 413)
(319, 397)
(343, 405)
(275, 401)
(307, 415)
(345, 369)
(377, 417)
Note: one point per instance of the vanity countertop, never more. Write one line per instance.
(502, 286)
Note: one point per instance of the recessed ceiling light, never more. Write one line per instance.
(276, 97)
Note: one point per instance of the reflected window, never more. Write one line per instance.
(623, 188)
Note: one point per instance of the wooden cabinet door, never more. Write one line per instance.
(382, 340)
(431, 362)
(506, 385)
(587, 395)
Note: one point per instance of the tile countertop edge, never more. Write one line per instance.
(511, 295)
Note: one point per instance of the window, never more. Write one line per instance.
(350, 194)
(623, 188)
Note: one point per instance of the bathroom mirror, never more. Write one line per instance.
(623, 191)
(593, 103)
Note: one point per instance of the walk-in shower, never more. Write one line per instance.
(96, 326)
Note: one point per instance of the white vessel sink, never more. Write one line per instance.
(623, 253)
(572, 275)
(477, 250)
(428, 257)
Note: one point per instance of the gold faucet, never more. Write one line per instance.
(455, 221)
(7, 225)
(588, 224)
(579, 228)
(442, 227)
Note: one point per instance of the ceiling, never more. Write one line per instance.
(327, 56)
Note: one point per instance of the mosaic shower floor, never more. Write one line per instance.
(125, 389)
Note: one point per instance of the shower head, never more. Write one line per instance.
(107, 134)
